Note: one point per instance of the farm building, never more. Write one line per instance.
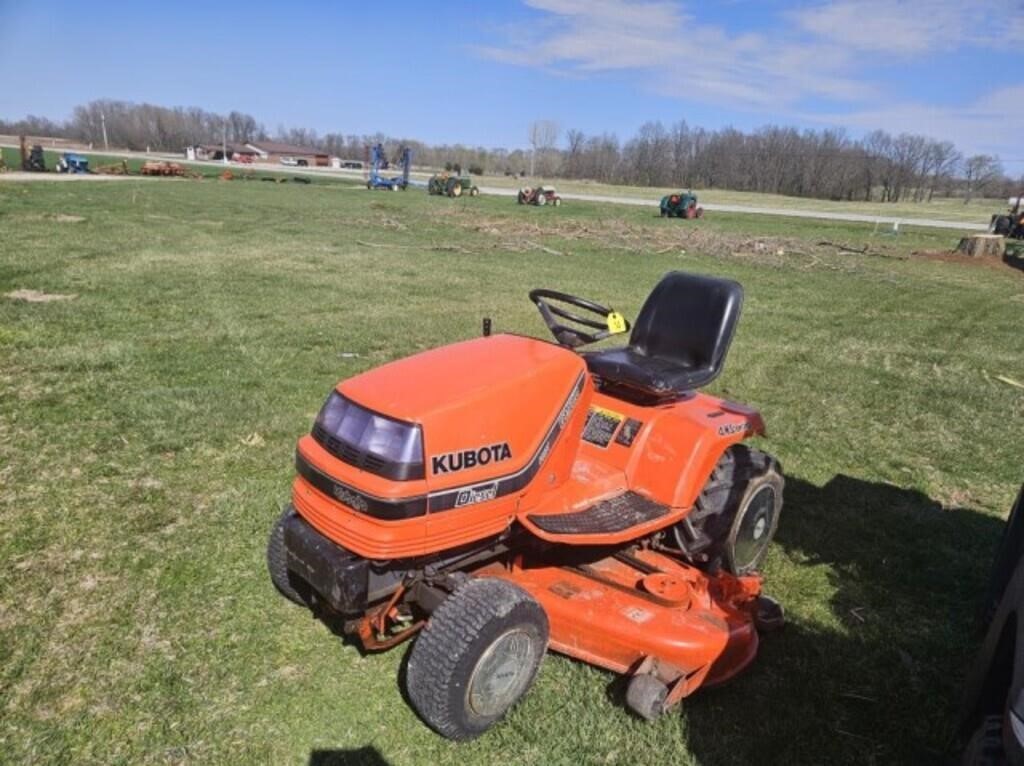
(274, 151)
(235, 152)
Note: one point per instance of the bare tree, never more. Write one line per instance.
(543, 138)
(979, 173)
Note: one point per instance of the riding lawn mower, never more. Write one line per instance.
(504, 495)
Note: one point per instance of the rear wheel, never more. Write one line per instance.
(477, 657)
(558, 201)
(277, 561)
(736, 515)
(985, 748)
(541, 199)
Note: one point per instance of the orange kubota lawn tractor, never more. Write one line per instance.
(505, 495)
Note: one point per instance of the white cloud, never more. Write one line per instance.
(678, 54)
(901, 28)
(819, 55)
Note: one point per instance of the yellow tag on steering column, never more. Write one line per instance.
(616, 323)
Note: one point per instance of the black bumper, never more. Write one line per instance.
(339, 577)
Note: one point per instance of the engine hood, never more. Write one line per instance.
(485, 405)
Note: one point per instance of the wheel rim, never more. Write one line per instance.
(501, 675)
(755, 528)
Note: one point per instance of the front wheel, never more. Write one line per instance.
(277, 561)
(477, 657)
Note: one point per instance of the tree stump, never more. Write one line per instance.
(983, 246)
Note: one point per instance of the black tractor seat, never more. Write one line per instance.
(678, 343)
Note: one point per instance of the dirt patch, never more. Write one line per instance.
(519, 235)
(945, 256)
(38, 296)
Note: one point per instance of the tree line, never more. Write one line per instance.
(826, 164)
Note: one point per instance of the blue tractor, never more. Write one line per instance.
(73, 163)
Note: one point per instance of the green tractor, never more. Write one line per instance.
(682, 205)
(450, 185)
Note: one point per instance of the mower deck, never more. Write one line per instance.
(644, 608)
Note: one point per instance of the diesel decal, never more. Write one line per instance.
(478, 494)
(350, 498)
(733, 428)
(470, 458)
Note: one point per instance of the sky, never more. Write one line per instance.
(479, 73)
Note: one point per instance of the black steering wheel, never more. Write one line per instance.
(547, 303)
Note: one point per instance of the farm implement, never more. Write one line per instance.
(378, 162)
(501, 496)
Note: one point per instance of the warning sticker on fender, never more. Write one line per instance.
(601, 426)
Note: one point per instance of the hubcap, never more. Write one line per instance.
(752, 536)
(501, 674)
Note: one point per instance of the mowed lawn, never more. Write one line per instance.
(147, 427)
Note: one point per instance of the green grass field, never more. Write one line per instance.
(947, 209)
(147, 427)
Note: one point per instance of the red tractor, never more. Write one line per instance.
(506, 495)
(538, 195)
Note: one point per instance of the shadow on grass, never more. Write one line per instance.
(363, 756)
(882, 594)
(875, 678)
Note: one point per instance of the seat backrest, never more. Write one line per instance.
(689, 319)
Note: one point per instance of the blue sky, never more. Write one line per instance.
(479, 73)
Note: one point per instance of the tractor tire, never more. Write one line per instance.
(645, 696)
(474, 192)
(664, 213)
(521, 198)
(540, 200)
(557, 202)
(700, 212)
(985, 747)
(456, 191)
(1002, 224)
(737, 513)
(277, 561)
(369, 185)
(477, 656)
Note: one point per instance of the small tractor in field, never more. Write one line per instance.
(538, 195)
(33, 161)
(682, 205)
(70, 162)
(1011, 224)
(451, 185)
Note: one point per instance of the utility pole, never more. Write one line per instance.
(224, 142)
(103, 127)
